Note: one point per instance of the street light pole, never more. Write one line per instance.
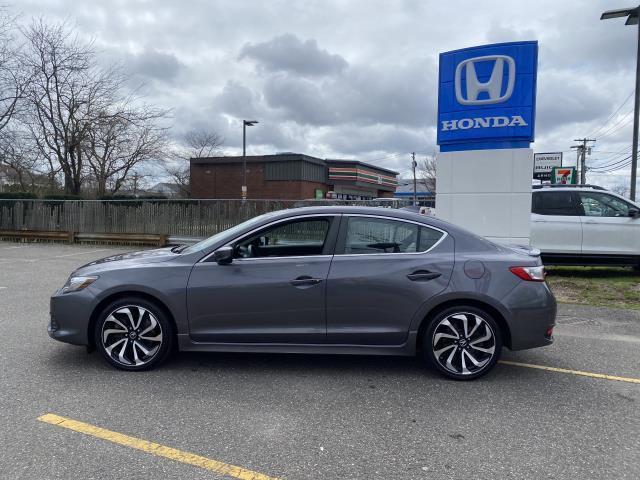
(415, 187)
(632, 15)
(245, 124)
(636, 111)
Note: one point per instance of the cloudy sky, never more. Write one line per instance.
(358, 78)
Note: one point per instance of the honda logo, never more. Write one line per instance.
(493, 87)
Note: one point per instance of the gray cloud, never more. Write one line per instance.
(363, 95)
(238, 100)
(355, 78)
(287, 53)
(154, 65)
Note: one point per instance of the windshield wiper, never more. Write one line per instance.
(178, 248)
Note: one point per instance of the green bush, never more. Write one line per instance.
(132, 197)
(61, 196)
(117, 197)
(18, 195)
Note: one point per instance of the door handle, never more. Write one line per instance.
(305, 281)
(423, 276)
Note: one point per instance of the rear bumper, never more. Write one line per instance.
(533, 312)
(70, 314)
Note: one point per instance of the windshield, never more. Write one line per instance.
(229, 233)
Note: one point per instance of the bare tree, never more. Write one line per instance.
(120, 141)
(14, 77)
(197, 144)
(68, 92)
(22, 160)
(621, 190)
(427, 172)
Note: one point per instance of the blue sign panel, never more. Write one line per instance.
(487, 97)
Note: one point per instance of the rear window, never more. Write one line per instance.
(367, 235)
(555, 203)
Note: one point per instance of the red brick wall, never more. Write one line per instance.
(225, 181)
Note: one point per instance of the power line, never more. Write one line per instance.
(614, 164)
(622, 122)
(593, 134)
(620, 167)
(613, 158)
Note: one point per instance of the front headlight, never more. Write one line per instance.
(75, 284)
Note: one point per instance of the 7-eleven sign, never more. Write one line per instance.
(563, 175)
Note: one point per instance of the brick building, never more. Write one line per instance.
(290, 176)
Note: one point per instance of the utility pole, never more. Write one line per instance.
(633, 15)
(415, 185)
(581, 161)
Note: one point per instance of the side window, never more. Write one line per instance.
(295, 238)
(555, 203)
(428, 238)
(367, 235)
(603, 205)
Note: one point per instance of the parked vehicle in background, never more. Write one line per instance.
(350, 280)
(584, 225)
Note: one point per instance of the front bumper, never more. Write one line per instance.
(70, 314)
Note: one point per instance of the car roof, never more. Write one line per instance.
(580, 188)
(400, 214)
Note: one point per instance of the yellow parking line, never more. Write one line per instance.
(573, 372)
(154, 448)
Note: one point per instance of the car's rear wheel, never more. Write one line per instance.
(133, 334)
(462, 342)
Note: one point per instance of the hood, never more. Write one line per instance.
(124, 260)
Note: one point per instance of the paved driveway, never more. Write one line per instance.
(308, 417)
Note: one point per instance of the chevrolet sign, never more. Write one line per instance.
(486, 97)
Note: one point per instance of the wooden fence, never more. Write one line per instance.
(194, 218)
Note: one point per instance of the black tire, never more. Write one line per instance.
(470, 349)
(122, 345)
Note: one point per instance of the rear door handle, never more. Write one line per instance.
(423, 276)
(305, 281)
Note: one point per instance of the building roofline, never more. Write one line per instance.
(286, 157)
(364, 164)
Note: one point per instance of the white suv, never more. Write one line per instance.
(584, 225)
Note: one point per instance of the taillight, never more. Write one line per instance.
(530, 274)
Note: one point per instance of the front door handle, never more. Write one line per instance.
(305, 281)
(423, 276)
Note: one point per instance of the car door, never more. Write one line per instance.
(383, 270)
(274, 289)
(555, 222)
(607, 227)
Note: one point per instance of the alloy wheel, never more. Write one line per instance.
(131, 335)
(463, 343)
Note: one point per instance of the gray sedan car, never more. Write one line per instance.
(335, 280)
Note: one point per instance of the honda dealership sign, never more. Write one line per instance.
(486, 122)
(487, 96)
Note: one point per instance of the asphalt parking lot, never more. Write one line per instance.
(309, 417)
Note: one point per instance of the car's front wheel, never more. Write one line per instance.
(462, 342)
(133, 334)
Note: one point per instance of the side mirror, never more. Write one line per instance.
(223, 255)
(634, 212)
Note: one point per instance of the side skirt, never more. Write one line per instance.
(408, 348)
